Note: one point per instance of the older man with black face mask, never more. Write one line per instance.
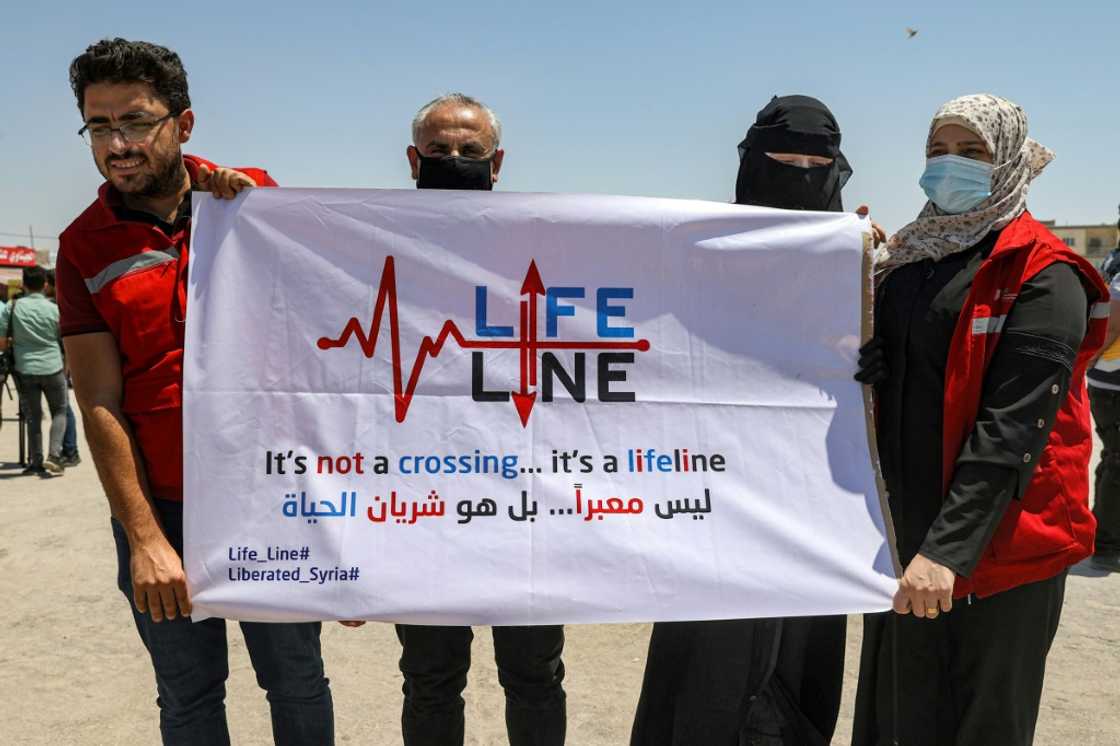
(455, 145)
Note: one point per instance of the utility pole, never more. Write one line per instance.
(31, 233)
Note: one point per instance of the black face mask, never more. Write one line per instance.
(789, 187)
(454, 172)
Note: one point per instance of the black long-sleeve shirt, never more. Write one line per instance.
(1027, 380)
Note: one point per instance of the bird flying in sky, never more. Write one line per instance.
(911, 32)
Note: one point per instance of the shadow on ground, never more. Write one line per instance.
(1085, 569)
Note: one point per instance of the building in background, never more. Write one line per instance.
(12, 261)
(1091, 241)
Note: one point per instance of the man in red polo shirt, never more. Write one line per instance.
(122, 295)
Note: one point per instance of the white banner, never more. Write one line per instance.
(486, 408)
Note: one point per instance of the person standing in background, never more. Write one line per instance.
(70, 455)
(1104, 399)
(4, 372)
(31, 323)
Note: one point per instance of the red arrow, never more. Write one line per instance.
(532, 283)
(524, 404)
(532, 286)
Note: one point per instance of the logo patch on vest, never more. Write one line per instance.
(988, 324)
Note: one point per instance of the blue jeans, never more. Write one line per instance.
(70, 437)
(191, 666)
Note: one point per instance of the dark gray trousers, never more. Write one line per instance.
(1105, 404)
(32, 389)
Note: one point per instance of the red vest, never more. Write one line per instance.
(137, 278)
(1051, 526)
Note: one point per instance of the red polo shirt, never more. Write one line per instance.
(125, 272)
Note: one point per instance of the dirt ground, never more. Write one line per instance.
(72, 670)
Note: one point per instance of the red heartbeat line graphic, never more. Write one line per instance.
(527, 344)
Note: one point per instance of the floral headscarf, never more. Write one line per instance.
(1017, 160)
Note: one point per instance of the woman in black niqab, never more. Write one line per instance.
(769, 177)
(757, 681)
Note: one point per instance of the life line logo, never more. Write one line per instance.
(614, 347)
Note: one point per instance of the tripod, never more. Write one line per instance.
(6, 386)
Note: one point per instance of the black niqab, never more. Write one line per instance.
(792, 124)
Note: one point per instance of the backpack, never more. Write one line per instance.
(1110, 265)
(8, 355)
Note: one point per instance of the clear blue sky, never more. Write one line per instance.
(625, 97)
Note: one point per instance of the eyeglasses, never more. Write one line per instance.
(134, 131)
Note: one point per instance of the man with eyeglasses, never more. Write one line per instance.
(455, 145)
(122, 295)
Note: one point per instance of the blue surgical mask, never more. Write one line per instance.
(956, 184)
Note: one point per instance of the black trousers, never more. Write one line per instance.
(435, 661)
(1105, 404)
(736, 681)
(971, 677)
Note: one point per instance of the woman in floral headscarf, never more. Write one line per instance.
(985, 322)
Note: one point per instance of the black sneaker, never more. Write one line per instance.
(1109, 562)
(72, 460)
(33, 470)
